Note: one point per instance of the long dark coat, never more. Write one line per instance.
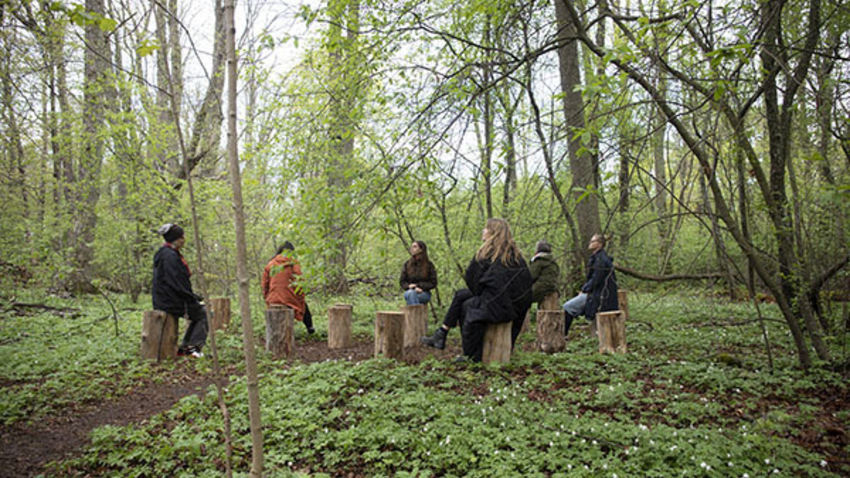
(600, 285)
(171, 290)
(500, 293)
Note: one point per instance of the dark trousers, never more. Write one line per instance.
(196, 332)
(457, 309)
(472, 333)
(308, 317)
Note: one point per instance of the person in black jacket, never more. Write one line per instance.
(172, 291)
(599, 292)
(499, 290)
(418, 275)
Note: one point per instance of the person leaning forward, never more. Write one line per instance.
(171, 291)
(280, 287)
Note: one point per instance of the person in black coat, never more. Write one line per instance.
(499, 290)
(172, 290)
(599, 292)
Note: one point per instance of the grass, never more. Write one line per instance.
(695, 396)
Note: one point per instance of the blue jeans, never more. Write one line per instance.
(575, 306)
(414, 298)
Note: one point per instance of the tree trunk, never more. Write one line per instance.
(582, 162)
(345, 85)
(87, 186)
(241, 251)
(575, 261)
(206, 130)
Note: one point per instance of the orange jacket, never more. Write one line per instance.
(279, 284)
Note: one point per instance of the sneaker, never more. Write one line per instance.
(189, 351)
(461, 359)
(311, 330)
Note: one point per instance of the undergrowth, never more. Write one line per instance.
(694, 396)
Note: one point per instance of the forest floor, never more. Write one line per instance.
(26, 447)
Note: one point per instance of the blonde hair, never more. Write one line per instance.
(499, 245)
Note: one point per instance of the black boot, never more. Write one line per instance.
(437, 340)
(568, 321)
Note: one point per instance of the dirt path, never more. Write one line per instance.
(26, 449)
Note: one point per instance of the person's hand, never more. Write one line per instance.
(419, 290)
(411, 286)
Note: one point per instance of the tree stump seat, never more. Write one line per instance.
(550, 302)
(497, 343)
(550, 331)
(389, 334)
(339, 326)
(415, 324)
(280, 331)
(611, 329)
(159, 335)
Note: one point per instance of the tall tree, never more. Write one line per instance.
(96, 95)
(583, 161)
(345, 85)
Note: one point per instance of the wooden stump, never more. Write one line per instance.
(415, 323)
(550, 302)
(339, 326)
(280, 331)
(389, 334)
(612, 331)
(159, 335)
(550, 331)
(623, 299)
(219, 313)
(497, 343)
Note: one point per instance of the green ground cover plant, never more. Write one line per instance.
(672, 406)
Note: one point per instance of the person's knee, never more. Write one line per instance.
(408, 294)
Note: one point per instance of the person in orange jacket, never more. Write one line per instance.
(280, 285)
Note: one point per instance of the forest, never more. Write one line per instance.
(709, 140)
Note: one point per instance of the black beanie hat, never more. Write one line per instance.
(172, 233)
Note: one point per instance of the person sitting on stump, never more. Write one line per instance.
(280, 288)
(418, 275)
(544, 272)
(499, 290)
(599, 293)
(172, 290)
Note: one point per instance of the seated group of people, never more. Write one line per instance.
(500, 287)
(171, 290)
